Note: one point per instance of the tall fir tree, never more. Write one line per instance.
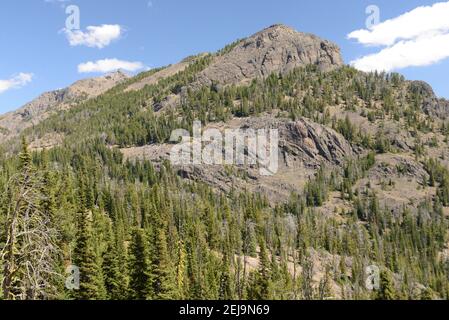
(226, 290)
(85, 258)
(164, 277)
(260, 288)
(141, 280)
(114, 279)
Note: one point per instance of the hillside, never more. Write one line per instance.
(362, 178)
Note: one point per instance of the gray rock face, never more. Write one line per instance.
(314, 144)
(275, 49)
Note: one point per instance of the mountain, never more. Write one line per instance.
(362, 180)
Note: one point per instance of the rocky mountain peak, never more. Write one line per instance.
(278, 48)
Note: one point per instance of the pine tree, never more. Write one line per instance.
(427, 294)
(49, 205)
(114, 279)
(443, 190)
(181, 281)
(85, 258)
(140, 284)
(260, 287)
(307, 276)
(226, 291)
(164, 279)
(325, 290)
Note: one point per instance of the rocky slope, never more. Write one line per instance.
(278, 48)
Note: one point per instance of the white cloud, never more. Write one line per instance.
(94, 36)
(417, 38)
(109, 65)
(15, 82)
(422, 51)
(419, 22)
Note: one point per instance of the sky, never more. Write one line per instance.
(49, 44)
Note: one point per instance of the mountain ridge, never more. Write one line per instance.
(37, 110)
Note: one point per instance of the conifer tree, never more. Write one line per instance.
(140, 282)
(164, 279)
(85, 258)
(114, 279)
(181, 280)
(49, 206)
(226, 291)
(260, 288)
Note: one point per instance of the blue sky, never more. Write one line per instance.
(37, 55)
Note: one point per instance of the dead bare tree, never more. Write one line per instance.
(29, 256)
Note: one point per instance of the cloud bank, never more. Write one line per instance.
(109, 65)
(15, 82)
(417, 38)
